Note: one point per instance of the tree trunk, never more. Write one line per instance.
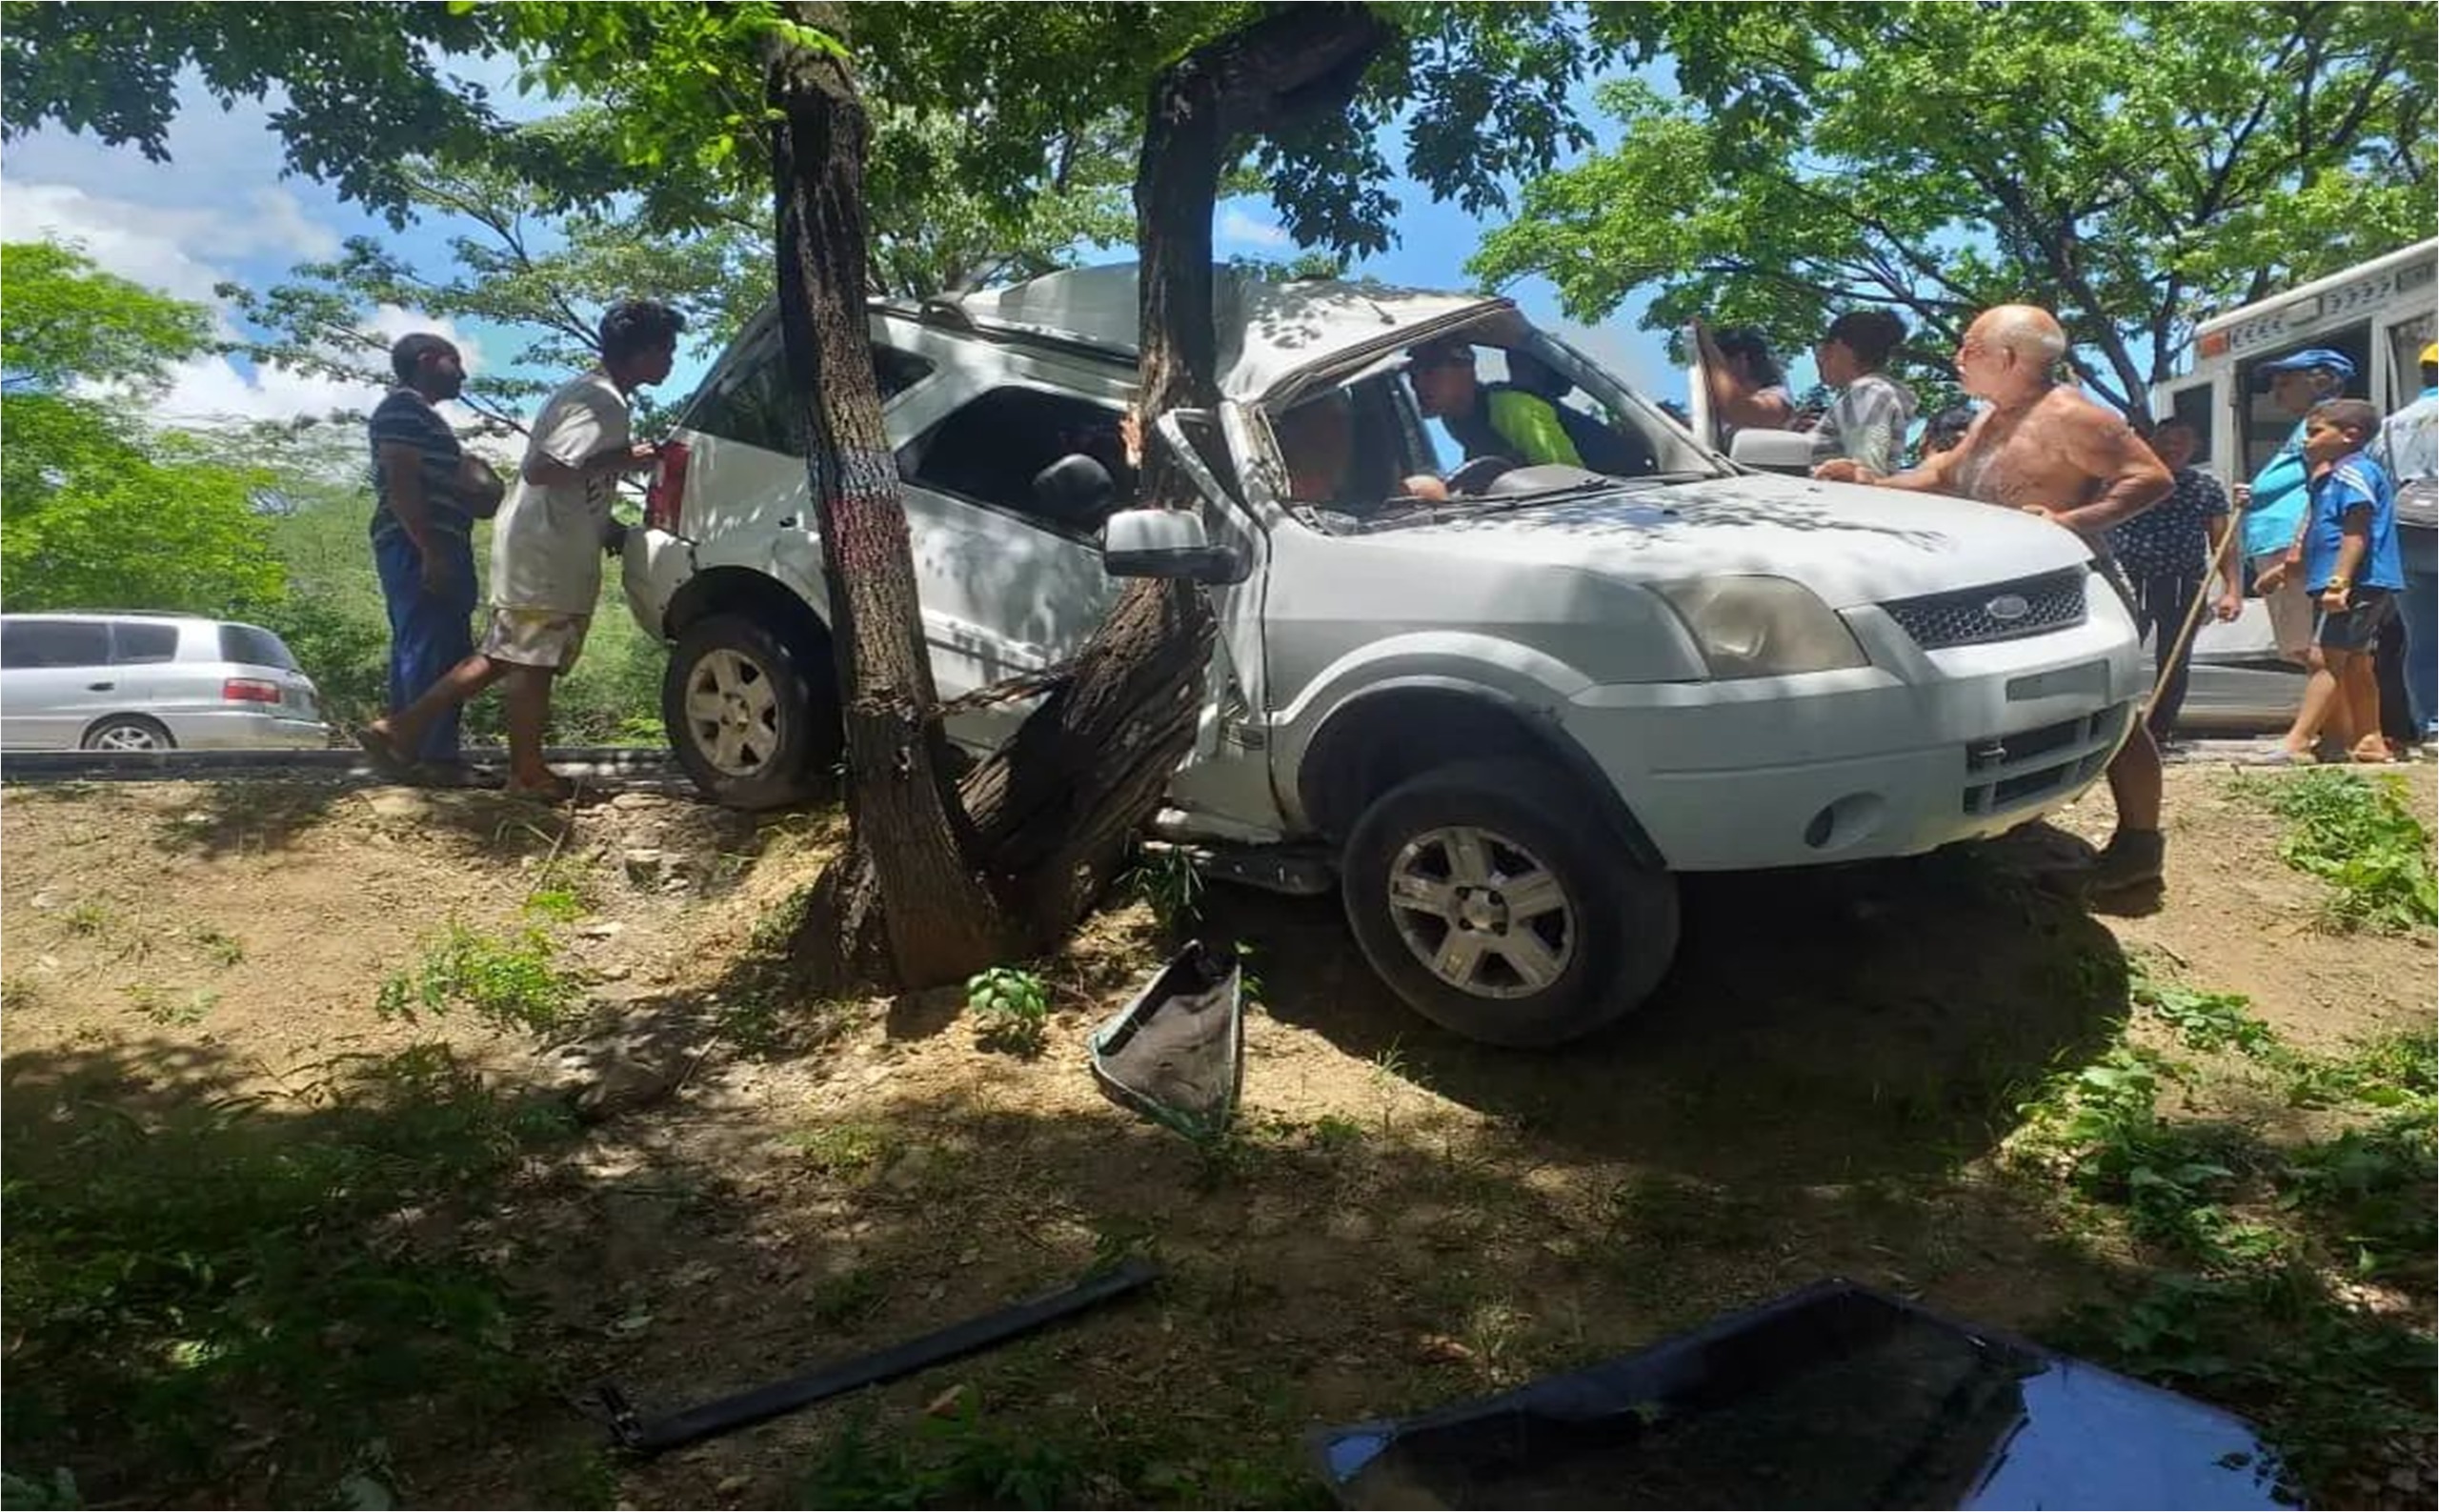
(1053, 810)
(905, 895)
(1046, 818)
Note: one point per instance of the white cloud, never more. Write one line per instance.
(1235, 225)
(211, 389)
(165, 246)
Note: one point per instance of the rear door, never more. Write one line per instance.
(1009, 584)
(144, 673)
(55, 678)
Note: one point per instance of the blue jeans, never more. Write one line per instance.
(2419, 605)
(429, 633)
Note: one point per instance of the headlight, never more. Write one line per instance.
(1762, 627)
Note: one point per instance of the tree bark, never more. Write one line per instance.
(1043, 821)
(1053, 811)
(905, 893)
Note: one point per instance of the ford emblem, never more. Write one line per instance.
(2007, 607)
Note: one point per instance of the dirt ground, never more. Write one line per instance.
(1407, 1219)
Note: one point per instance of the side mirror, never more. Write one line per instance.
(1164, 543)
(1772, 451)
(1075, 488)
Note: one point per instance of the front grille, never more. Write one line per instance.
(2008, 771)
(1963, 617)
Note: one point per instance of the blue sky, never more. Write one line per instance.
(220, 210)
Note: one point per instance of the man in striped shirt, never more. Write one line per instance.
(427, 495)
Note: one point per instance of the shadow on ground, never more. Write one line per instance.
(1827, 1024)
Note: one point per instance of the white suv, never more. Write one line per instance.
(1502, 722)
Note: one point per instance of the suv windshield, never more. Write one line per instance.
(255, 648)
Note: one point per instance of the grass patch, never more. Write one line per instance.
(2249, 1249)
(507, 981)
(91, 918)
(18, 994)
(167, 1007)
(222, 948)
(2362, 837)
(851, 1150)
(958, 1456)
(238, 1290)
(1166, 879)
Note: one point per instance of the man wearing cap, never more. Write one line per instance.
(2273, 503)
(2408, 449)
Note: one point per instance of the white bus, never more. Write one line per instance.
(2379, 313)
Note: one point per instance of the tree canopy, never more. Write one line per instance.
(96, 510)
(2125, 164)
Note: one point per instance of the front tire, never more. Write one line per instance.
(750, 723)
(1481, 897)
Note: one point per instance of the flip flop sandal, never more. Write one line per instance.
(384, 756)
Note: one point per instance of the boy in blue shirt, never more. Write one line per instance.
(2353, 571)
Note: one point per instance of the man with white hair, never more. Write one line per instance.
(2044, 448)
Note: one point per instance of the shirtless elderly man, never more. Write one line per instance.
(2046, 449)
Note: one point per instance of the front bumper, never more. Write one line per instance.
(1905, 755)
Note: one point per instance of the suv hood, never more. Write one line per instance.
(1851, 544)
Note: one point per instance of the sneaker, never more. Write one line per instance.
(2131, 858)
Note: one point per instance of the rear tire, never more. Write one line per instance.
(130, 731)
(1483, 899)
(752, 725)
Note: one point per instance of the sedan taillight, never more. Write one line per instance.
(667, 493)
(250, 689)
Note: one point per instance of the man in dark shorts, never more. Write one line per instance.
(2043, 448)
(2353, 571)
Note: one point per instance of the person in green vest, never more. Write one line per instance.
(1501, 420)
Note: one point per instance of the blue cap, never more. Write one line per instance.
(2337, 362)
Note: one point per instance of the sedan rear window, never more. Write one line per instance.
(255, 648)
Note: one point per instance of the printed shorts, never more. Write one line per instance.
(2358, 625)
(536, 637)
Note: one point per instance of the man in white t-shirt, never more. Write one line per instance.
(547, 548)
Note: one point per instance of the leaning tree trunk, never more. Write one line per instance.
(904, 902)
(1047, 818)
(1053, 811)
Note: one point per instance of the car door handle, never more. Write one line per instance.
(99, 687)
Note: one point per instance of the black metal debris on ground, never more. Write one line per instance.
(728, 1414)
(1835, 1395)
(1176, 1053)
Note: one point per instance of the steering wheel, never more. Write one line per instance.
(1476, 476)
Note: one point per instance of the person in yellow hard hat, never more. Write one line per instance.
(2408, 449)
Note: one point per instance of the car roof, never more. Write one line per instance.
(163, 616)
(1270, 333)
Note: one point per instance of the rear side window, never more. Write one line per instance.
(255, 648)
(991, 449)
(54, 643)
(753, 404)
(133, 645)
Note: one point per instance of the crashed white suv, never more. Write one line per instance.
(1501, 724)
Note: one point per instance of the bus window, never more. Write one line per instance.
(2406, 340)
(2191, 406)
